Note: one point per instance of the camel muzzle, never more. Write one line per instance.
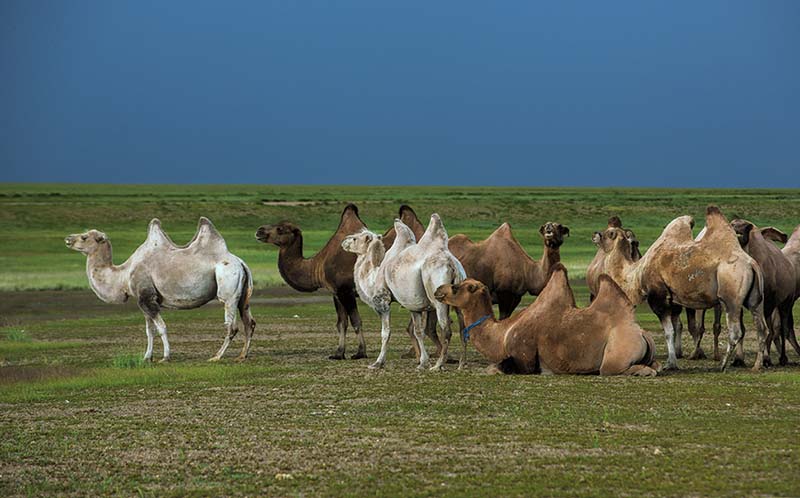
(262, 235)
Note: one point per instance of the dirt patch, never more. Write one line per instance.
(28, 373)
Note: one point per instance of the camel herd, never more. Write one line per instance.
(729, 267)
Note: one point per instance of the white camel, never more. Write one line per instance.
(160, 274)
(410, 273)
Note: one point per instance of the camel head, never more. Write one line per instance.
(468, 294)
(743, 228)
(615, 222)
(612, 239)
(359, 243)
(553, 234)
(87, 242)
(281, 234)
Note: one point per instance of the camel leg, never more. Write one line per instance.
(732, 317)
(507, 303)
(677, 326)
(717, 329)
(249, 325)
(430, 331)
(341, 327)
(230, 331)
(669, 336)
(350, 304)
(696, 333)
(738, 361)
(148, 303)
(790, 333)
(229, 290)
(413, 352)
(761, 332)
(622, 353)
(443, 317)
(149, 326)
(785, 312)
(462, 362)
(386, 333)
(419, 326)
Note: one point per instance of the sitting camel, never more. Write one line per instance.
(677, 270)
(502, 264)
(554, 336)
(160, 275)
(331, 268)
(412, 272)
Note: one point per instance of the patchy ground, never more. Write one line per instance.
(290, 422)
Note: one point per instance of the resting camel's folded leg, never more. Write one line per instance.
(622, 354)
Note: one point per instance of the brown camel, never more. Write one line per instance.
(678, 270)
(502, 264)
(597, 267)
(331, 268)
(553, 335)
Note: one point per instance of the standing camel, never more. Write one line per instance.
(412, 272)
(505, 268)
(597, 266)
(331, 268)
(677, 270)
(553, 335)
(160, 274)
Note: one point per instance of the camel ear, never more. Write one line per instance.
(629, 234)
(772, 233)
(100, 238)
(565, 230)
(541, 230)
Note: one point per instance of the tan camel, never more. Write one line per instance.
(161, 275)
(677, 270)
(331, 268)
(597, 266)
(502, 264)
(553, 335)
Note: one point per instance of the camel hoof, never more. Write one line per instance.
(359, 355)
(240, 359)
(645, 372)
(337, 356)
(698, 354)
(422, 367)
(375, 366)
(737, 362)
(148, 359)
(783, 361)
(214, 358)
(437, 368)
(670, 367)
(462, 366)
(756, 369)
(164, 360)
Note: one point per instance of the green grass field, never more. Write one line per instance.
(81, 415)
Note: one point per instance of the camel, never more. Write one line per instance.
(409, 218)
(160, 274)
(553, 336)
(596, 267)
(677, 270)
(331, 268)
(502, 264)
(412, 272)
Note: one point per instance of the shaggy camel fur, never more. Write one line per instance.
(160, 274)
(409, 218)
(502, 264)
(331, 268)
(553, 335)
(597, 266)
(677, 270)
(413, 271)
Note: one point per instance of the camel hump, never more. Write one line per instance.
(611, 298)
(435, 231)
(350, 209)
(557, 292)
(504, 230)
(406, 213)
(614, 222)
(775, 235)
(350, 220)
(156, 235)
(404, 233)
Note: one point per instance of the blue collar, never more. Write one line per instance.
(465, 332)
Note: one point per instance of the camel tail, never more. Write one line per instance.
(247, 288)
(459, 274)
(756, 293)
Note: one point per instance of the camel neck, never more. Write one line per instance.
(107, 281)
(626, 273)
(296, 270)
(488, 337)
(537, 272)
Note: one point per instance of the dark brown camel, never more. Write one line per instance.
(331, 268)
(553, 335)
(410, 219)
(597, 266)
(505, 268)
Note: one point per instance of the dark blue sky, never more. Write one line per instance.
(672, 93)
